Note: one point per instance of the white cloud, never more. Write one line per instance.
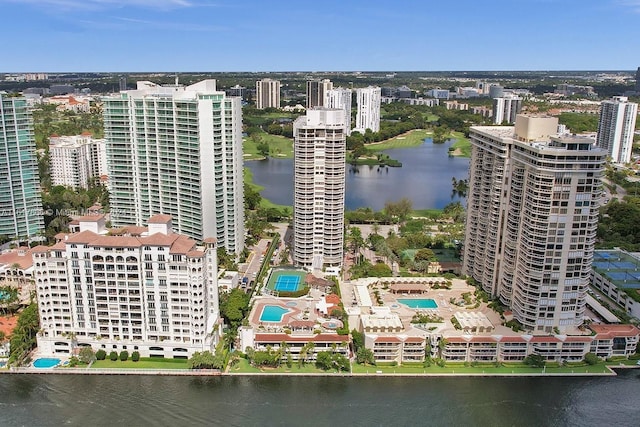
(104, 4)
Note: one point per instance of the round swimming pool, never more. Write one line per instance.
(46, 362)
(291, 304)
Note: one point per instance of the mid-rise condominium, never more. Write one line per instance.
(319, 188)
(136, 289)
(20, 203)
(177, 150)
(76, 161)
(316, 90)
(532, 217)
(368, 109)
(267, 94)
(341, 99)
(506, 108)
(616, 126)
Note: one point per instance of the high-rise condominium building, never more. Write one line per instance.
(177, 150)
(368, 109)
(616, 126)
(20, 203)
(77, 160)
(341, 99)
(267, 94)
(532, 217)
(319, 188)
(506, 108)
(148, 290)
(316, 90)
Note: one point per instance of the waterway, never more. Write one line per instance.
(424, 178)
(56, 400)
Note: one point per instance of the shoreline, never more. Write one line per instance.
(216, 373)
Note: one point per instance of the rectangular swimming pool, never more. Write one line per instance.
(418, 302)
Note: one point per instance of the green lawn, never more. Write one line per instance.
(480, 369)
(462, 144)
(244, 367)
(279, 147)
(143, 363)
(413, 138)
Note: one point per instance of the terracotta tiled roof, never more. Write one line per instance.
(20, 256)
(159, 219)
(84, 237)
(388, 339)
(611, 331)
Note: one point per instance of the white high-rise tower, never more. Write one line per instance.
(341, 99)
(616, 126)
(368, 109)
(319, 188)
(178, 151)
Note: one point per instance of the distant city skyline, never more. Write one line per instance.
(248, 35)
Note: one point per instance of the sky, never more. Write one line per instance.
(318, 35)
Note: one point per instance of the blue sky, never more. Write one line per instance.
(319, 35)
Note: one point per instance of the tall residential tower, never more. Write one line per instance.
(341, 99)
(532, 217)
(316, 92)
(20, 203)
(177, 150)
(616, 126)
(319, 188)
(368, 109)
(267, 94)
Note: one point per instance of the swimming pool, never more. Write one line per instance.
(46, 362)
(272, 313)
(419, 303)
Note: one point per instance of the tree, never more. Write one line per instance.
(324, 360)
(425, 255)
(440, 134)
(23, 338)
(124, 355)
(357, 338)
(113, 356)
(535, 360)
(101, 354)
(591, 359)
(86, 355)
(135, 356)
(364, 356)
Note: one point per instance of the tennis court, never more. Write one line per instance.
(286, 280)
(286, 283)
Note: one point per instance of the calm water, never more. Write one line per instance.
(51, 400)
(424, 178)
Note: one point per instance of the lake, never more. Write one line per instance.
(97, 400)
(424, 178)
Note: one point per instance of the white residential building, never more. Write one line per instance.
(506, 108)
(316, 93)
(616, 126)
(147, 290)
(177, 150)
(267, 94)
(319, 188)
(76, 160)
(532, 217)
(341, 99)
(368, 109)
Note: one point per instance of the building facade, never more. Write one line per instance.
(319, 189)
(151, 291)
(616, 126)
(77, 160)
(20, 203)
(368, 109)
(267, 94)
(177, 150)
(506, 108)
(316, 92)
(341, 99)
(532, 217)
